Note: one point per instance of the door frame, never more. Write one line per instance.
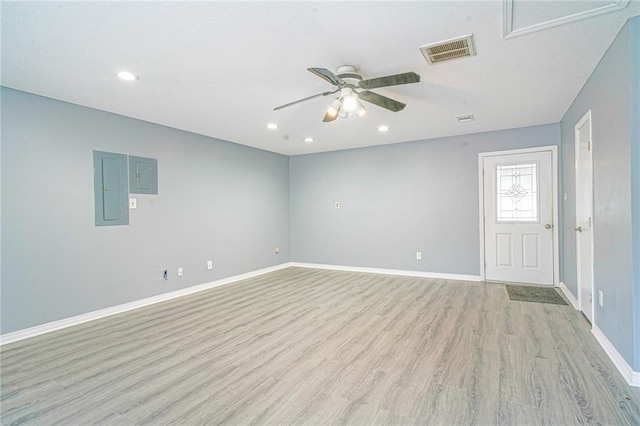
(554, 198)
(580, 123)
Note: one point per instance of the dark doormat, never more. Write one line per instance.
(525, 293)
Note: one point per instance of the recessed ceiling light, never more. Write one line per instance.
(308, 139)
(272, 126)
(126, 75)
(383, 128)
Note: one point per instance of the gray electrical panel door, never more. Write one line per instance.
(110, 188)
(143, 175)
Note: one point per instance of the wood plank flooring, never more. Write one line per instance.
(305, 346)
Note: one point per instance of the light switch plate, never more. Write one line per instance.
(133, 203)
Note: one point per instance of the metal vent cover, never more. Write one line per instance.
(448, 50)
(464, 118)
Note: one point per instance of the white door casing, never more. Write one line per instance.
(518, 214)
(584, 215)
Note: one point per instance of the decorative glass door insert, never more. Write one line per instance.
(517, 192)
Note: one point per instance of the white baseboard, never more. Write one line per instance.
(457, 277)
(90, 316)
(102, 313)
(631, 377)
(572, 299)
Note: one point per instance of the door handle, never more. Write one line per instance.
(548, 226)
(579, 229)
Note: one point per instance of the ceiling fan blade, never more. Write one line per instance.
(304, 99)
(390, 80)
(327, 75)
(329, 117)
(381, 101)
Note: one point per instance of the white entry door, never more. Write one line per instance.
(584, 214)
(518, 217)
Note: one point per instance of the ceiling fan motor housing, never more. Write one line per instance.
(348, 72)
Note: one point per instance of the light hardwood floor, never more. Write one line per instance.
(304, 346)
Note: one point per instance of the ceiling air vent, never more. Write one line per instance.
(465, 118)
(448, 50)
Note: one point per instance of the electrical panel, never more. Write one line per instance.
(143, 175)
(110, 188)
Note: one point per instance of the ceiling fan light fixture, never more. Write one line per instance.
(350, 103)
(354, 89)
(342, 112)
(333, 109)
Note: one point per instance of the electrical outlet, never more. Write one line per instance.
(418, 255)
(209, 265)
(164, 275)
(336, 205)
(180, 271)
(601, 298)
(277, 250)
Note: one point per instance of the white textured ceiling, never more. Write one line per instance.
(219, 68)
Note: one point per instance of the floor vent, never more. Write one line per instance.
(448, 50)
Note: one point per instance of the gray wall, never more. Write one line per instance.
(217, 201)
(396, 200)
(606, 93)
(634, 117)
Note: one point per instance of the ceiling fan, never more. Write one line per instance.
(353, 88)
